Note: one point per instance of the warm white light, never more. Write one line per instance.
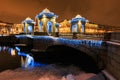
(13, 53)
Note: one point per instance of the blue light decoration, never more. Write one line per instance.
(75, 21)
(50, 40)
(20, 36)
(47, 13)
(28, 25)
(30, 29)
(57, 27)
(47, 19)
(28, 20)
(0, 48)
(28, 62)
(78, 43)
(70, 42)
(75, 28)
(41, 25)
(25, 28)
(49, 26)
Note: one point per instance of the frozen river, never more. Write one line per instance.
(10, 67)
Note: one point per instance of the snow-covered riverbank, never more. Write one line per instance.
(49, 72)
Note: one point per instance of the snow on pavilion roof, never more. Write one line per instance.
(77, 19)
(28, 20)
(46, 13)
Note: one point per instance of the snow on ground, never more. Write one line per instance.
(49, 72)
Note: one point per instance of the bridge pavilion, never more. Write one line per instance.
(46, 22)
(28, 25)
(78, 24)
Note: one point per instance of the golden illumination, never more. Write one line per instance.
(13, 52)
(64, 26)
(78, 16)
(46, 10)
(5, 28)
(44, 20)
(41, 25)
(28, 18)
(91, 28)
(17, 28)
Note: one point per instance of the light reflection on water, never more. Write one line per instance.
(27, 60)
(10, 58)
(6, 49)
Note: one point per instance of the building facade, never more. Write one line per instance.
(5, 28)
(45, 22)
(64, 27)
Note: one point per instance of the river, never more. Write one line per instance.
(11, 68)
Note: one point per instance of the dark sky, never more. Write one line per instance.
(105, 12)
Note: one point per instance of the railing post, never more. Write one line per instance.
(107, 36)
(74, 35)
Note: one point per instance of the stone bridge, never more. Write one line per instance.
(41, 43)
(105, 52)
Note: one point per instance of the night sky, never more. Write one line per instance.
(106, 12)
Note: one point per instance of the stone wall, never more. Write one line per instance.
(111, 57)
(40, 43)
(115, 37)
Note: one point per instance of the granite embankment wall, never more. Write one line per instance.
(111, 56)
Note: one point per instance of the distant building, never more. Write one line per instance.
(5, 28)
(91, 28)
(108, 28)
(75, 25)
(45, 23)
(64, 27)
(17, 29)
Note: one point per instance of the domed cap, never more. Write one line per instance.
(78, 18)
(28, 20)
(46, 13)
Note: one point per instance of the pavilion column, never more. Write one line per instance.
(53, 28)
(79, 27)
(83, 26)
(83, 29)
(26, 28)
(39, 26)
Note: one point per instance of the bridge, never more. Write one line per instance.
(104, 49)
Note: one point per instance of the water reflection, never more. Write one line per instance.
(12, 57)
(9, 58)
(8, 50)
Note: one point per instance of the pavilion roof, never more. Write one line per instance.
(46, 13)
(28, 20)
(77, 19)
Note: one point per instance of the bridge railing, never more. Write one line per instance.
(98, 36)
